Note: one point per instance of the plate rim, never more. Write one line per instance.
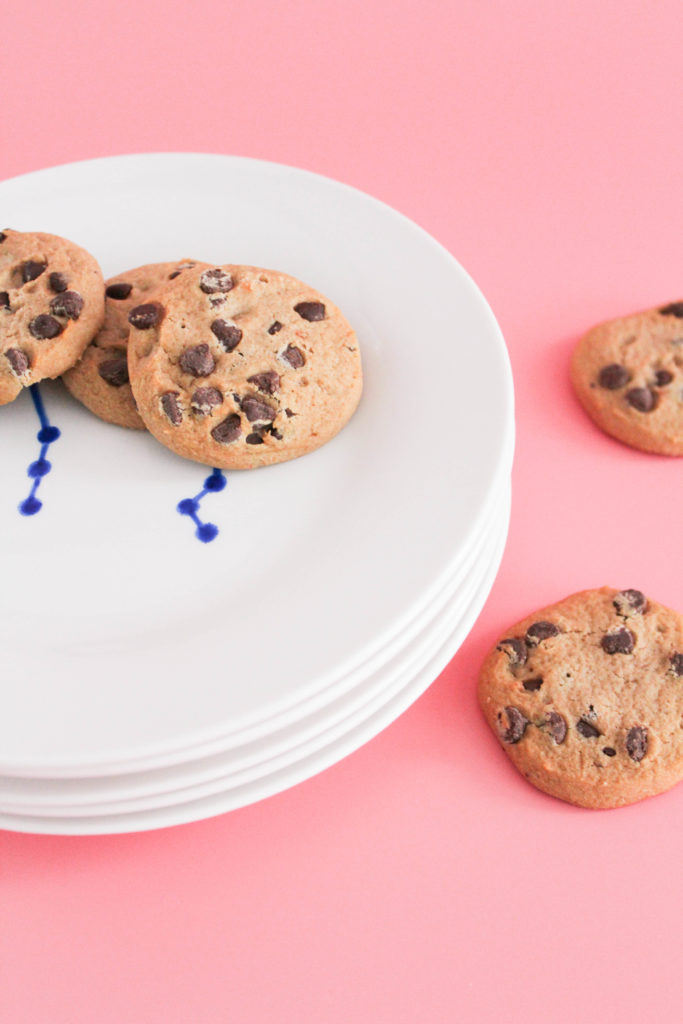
(293, 774)
(347, 704)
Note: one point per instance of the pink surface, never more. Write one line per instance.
(421, 879)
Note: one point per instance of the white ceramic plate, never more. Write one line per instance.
(151, 788)
(315, 761)
(124, 636)
(265, 740)
(67, 795)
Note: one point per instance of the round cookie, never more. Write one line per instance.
(100, 379)
(238, 367)
(628, 376)
(586, 697)
(51, 306)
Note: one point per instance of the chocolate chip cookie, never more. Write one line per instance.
(51, 306)
(628, 375)
(100, 379)
(239, 367)
(586, 697)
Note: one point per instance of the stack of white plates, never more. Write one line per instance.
(150, 677)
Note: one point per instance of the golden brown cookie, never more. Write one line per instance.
(100, 379)
(51, 306)
(238, 367)
(628, 375)
(586, 697)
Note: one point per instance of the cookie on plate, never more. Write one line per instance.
(239, 367)
(586, 697)
(100, 379)
(628, 375)
(51, 306)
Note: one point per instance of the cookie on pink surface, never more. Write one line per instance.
(628, 375)
(586, 697)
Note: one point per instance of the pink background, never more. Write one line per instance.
(420, 880)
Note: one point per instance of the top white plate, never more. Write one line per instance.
(123, 635)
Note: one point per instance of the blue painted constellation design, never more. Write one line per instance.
(205, 532)
(41, 467)
(48, 434)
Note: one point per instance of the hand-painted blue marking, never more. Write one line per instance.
(205, 532)
(47, 435)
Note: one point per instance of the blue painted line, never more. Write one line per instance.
(39, 469)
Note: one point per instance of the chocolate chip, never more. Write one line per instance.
(275, 433)
(533, 684)
(540, 631)
(294, 356)
(180, 267)
(630, 602)
(31, 270)
(147, 315)
(68, 304)
(3, 236)
(18, 360)
(662, 378)
(310, 310)
(642, 399)
(228, 430)
(58, 282)
(255, 409)
(636, 743)
(517, 723)
(557, 725)
(275, 327)
(613, 376)
(254, 438)
(45, 326)
(618, 641)
(118, 290)
(586, 729)
(114, 371)
(216, 280)
(268, 381)
(4, 300)
(673, 309)
(206, 399)
(676, 664)
(289, 413)
(228, 335)
(169, 404)
(609, 751)
(197, 361)
(516, 650)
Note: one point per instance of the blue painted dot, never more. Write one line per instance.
(188, 506)
(46, 435)
(30, 506)
(207, 532)
(215, 482)
(39, 468)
